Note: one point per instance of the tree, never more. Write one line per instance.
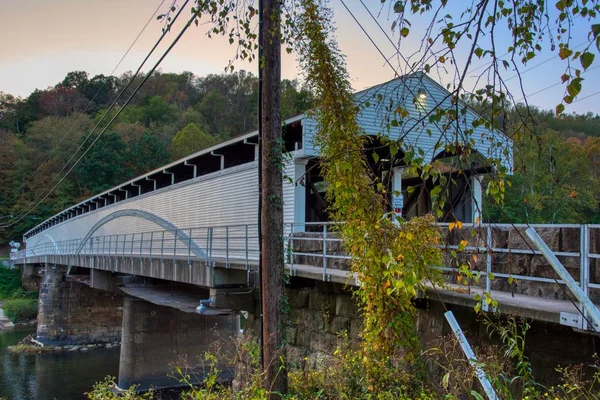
(157, 111)
(145, 154)
(189, 140)
(553, 183)
(104, 167)
(61, 101)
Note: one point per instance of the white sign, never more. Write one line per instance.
(397, 204)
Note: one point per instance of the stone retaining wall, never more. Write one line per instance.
(319, 312)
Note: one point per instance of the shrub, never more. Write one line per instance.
(10, 281)
(20, 310)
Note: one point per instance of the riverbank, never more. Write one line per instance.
(30, 345)
(5, 323)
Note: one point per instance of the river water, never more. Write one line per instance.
(48, 376)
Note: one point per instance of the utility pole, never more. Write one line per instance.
(271, 195)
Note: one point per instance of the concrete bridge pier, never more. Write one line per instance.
(156, 339)
(70, 312)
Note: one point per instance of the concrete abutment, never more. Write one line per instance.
(156, 339)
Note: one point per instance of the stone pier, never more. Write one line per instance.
(156, 339)
(71, 312)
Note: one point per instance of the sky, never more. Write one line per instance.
(42, 40)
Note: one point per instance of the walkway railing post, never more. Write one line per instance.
(246, 246)
(325, 252)
(488, 266)
(162, 247)
(227, 246)
(464, 344)
(190, 247)
(583, 298)
(124, 240)
(291, 250)
(584, 267)
(141, 243)
(174, 248)
(151, 244)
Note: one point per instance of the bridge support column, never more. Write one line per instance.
(156, 338)
(72, 313)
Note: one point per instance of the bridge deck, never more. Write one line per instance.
(538, 308)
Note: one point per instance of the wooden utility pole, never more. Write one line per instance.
(271, 197)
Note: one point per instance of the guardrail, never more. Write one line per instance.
(500, 255)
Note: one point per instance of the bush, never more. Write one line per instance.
(10, 281)
(20, 310)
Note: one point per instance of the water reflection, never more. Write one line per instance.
(64, 375)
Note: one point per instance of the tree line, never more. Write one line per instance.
(556, 177)
(172, 115)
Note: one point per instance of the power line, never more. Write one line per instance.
(20, 217)
(508, 52)
(540, 64)
(586, 97)
(556, 84)
(63, 137)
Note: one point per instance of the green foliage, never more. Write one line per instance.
(390, 257)
(105, 166)
(108, 390)
(10, 282)
(555, 181)
(190, 140)
(20, 310)
(220, 105)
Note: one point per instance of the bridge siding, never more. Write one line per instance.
(225, 197)
(228, 197)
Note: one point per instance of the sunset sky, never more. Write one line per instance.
(42, 40)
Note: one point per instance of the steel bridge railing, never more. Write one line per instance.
(496, 253)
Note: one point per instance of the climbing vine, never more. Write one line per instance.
(390, 256)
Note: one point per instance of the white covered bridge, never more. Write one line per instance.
(195, 220)
(218, 187)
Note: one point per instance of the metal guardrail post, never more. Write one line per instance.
(131, 247)
(464, 344)
(151, 243)
(124, 240)
(488, 266)
(325, 278)
(583, 298)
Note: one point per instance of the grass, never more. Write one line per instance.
(28, 348)
(18, 304)
(20, 310)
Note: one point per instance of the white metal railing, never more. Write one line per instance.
(318, 245)
(226, 244)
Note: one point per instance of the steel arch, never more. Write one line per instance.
(181, 234)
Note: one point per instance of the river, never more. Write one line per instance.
(47, 376)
